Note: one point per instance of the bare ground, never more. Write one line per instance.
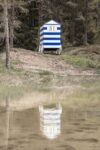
(33, 61)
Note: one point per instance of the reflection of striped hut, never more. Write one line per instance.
(50, 37)
(50, 121)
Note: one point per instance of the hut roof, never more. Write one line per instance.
(52, 22)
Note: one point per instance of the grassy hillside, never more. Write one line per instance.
(30, 66)
(84, 57)
(33, 71)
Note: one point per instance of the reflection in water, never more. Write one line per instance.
(9, 115)
(8, 122)
(79, 129)
(50, 121)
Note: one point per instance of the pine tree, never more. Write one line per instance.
(1, 25)
(13, 20)
(80, 21)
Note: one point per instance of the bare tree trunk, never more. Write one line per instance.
(40, 20)
(86, 23)
(98, 15)
(72, 31)
(12, 24)
(7, 34)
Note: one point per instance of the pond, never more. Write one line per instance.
(64, 118)
(50, 127)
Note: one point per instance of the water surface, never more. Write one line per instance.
(56, 127)
(64, 116)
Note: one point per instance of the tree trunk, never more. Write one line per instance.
(39, 24)
(98, 15)
(72, 31)
(86, 23)
(7, 34)
(12, 24)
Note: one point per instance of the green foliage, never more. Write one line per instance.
(27, 33)
(30, 15)
(73, 16)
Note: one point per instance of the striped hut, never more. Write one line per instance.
(50, 37)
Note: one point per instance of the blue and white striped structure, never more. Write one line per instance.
(50, 121)
(50, 36)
